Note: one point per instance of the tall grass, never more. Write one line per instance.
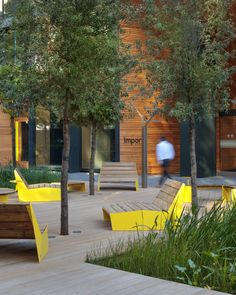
(32, 175)
(198, 251)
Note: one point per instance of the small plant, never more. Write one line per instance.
(185, 271)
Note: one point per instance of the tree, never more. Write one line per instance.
(103, 104)
(63, 54)
(188, 69)
(103, 110)
(8, 73)
(19, 88)
(11, 103)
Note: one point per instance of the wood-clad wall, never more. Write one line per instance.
(131, 129)
(5, 139)
(228, 142)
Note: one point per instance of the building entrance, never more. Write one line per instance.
(228, 143)
(21, 141)
(105, 150)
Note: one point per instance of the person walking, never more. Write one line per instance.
(164, 153)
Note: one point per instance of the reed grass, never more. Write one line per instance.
(199, 251)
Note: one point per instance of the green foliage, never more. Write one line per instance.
(197, 251)
(32, 175)
(65, 49)
(11, 98)
(188, 43)
(70, 48)
(8, 74)
(72, 51)
(18, 81)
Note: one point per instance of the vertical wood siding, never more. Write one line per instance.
(5, 139)
(132, 128)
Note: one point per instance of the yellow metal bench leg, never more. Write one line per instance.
(99, 184)
(42, 244)
(136, 185)
(4, 198)
(40, 238)
(233, 195)
(226, 194)
(83, 189)
(77, 187)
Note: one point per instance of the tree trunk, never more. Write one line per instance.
(193, 161)
(64, 171)
(92, 158)
(13, 142)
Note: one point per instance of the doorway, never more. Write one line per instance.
(105, 150)
(228, 143)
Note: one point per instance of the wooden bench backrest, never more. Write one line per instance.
(119, 170)
(17, 171)
(167, 193)
(15, 222)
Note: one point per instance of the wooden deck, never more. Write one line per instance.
(63, 271)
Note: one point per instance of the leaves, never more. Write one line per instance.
(188, 57)
(71, 48)
(180, 268)
(191, 264)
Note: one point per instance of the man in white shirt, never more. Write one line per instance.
(164, 153)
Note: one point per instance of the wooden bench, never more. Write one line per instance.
(118, 175)
(74, 185)
(18, 221)
(169, 203)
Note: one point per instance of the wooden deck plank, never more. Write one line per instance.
(63, 270)
(117, 179)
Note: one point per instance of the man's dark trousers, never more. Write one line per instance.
(165, 174)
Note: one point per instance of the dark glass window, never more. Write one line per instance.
(56, 144)
(24, 141)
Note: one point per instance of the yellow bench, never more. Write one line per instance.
(118, 175)
(18, 221)
(168, 204)
(228, 194)
(41, 192)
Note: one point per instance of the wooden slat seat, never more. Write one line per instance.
(169, 203)
(118, 175)
(39, 185)
(130, 206)
(18, 221)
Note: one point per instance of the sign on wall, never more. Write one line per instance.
(132, 140)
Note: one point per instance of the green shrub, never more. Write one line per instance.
(198, 251)
(32, 175)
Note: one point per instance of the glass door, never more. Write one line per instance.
(104, 147)
(42, 136)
